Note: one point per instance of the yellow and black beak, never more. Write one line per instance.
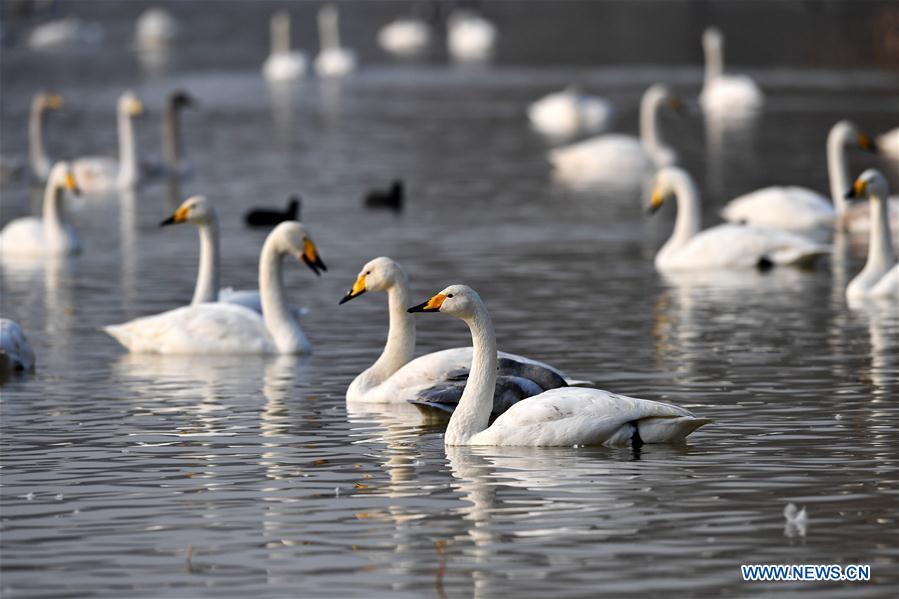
(357, 290)
(180, 216)
(311, 258)
(136, 108)
(432, 305)
(866, 143)
(72, 185)
(655, 201)
(858, 190)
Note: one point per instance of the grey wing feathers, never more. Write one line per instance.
(445, 396)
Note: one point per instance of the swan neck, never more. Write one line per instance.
(837, 171)
(127, 151)
(689, 213)
(40, 162)
(649, 114)
(881, 255)
(52, 210)
(328, 31)
(473, 412)
(400, 346)
(714, 61)
(280, 34)
(280, 323)
(207, 289)
(171, 137)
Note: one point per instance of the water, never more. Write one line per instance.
(152, 475)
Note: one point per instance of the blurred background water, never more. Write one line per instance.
(210, 476)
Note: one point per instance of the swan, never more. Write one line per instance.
(97, 174)
(888, 143)
(283, 64)
(332, 59)
(15, 353)
(721, 92)
(880, 276)
(558, 417)
(405, 37)
(615, 156)
(156, 28)
(721, 246)
(173, 163)
(470, 37)
(198, 211)
(61, 32)
(222, 328)
(37, 155)
(433, 381)
(568, 113)
(49, 235)
(799, 208)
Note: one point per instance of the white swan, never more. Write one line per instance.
(15, 353)
(156, 28)
(405, 37)
(721, 92)
(97, 174)
(283, 64)
(558, 417)
(799, 208)
(173, 163)
(49, 235)
(37, 155)
(617, 157)
(222, 328)
(568, 113)
(888, 143)
(470, 37)
(332, 60)
(880, 276)
(64, 31)
(198, 211)
(721, 246)
(434, 381)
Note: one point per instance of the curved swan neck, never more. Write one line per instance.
(40, 162)
(649, 115)
(171, 136)
(279, 321)
(52, 210)
(714, 60)
(127, 151)
(207, 288)
(400, 346)
(881, 256)
(837, 169)
(473, 412)
(689, 213)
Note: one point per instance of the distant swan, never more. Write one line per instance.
(888, 143)
(15, 353)
(156, 28)
(173, 163)
(37, 155)
(332, 60)
(221, 328)
(880, 276)
(405, 37)
(434, 381)
(49, 235)
(470, 37)
(721, 246)
(283, 64)
(721, 92)
(569, 112)
(96, 174)
(64, 31)
(559, 417)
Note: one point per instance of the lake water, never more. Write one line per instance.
(132, 475)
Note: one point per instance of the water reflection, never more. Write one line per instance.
(730, 140)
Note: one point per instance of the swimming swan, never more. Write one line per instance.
(799, 208)
(470, 37)
(198, 211)
(15, 353)
(888, 143)
(569, 112)
(405, 37)
(618, 157)
(37, 155)
(880, 276)
(156, 28)
(721, 246)
(49, 235)
(221, 328)
(96, 174)
(282, 63)
(332, 59)
(558, 417)
(433, 381)
(725, 93)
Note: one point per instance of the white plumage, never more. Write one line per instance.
(888, 143)
(333, 60)
(405, 37)
(880, 276)
(568, 113)
(99, 174)
(156, 28)
(723, 93)
(470, 37)
(283, 64)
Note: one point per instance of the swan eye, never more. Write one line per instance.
(367, 272)
(449, 295)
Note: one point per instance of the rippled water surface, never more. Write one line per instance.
(133, 475)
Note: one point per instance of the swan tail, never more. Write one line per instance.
(120, 333)
(432, 410)
(800, 257)
(668, 430)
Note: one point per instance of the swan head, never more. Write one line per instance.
(379, 274)
(181, 99)
(870, 184)
(291, 238)
(48, 100)
(130, 105)
(712, 38)
(196, 210)
(664, 185)
(845, 133)
(460, 301)
(62, 177)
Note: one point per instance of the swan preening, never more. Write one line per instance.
(333, 60)
(223, 328)
(49, 235)
(37, 155)
(470, 37)
(558, 417)
(724, 93)
(433, 381)
(722, 246)
(283, 64)
(15, 353)
(405, 37)
(101, 174)
(799, 208)
(622, 159)
(569, 112)
(880, 276)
